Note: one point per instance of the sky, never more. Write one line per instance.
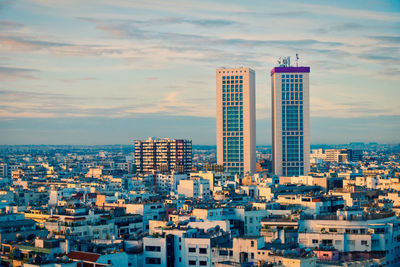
(109, 72)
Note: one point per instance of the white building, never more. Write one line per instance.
(313, 204)
(317, 156)
(165, 183)
(251, 216)
(215, 178)
(352, 232)
(149, 211)
(236, 115)
(180, 247)
(290, 119)
(78, 224)
(195, 187)
(250, 251)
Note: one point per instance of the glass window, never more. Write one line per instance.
(153, 260)
(153, 248)
(223, 253)
(203, 251)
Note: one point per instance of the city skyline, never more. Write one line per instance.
(93, 74)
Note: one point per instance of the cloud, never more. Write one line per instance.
(358, 13)
(130, 29)
(9, 25)
(26, 44)
(29, 104)
(348, 26)
(387, 39)
(326, 108)
(21, 43)
(16, 73)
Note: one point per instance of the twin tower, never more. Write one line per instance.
(236, 120)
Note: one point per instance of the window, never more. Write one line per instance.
(203, 251)
(315, 241)
(252, 255)
(192, 262)
(203, 263)
(153, 260)
(364, 242)
(223, 253)
(192, 249)
(153, 248)
(252, 244)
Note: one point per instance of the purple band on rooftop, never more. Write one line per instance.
(290, 70)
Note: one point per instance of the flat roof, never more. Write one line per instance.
(290, 70)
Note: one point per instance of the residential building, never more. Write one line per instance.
(195, 187)
(164, 155)
(354, 233)
(165, 183)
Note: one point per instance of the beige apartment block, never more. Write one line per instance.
(236, 115)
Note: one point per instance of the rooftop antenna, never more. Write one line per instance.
(280, 61)
(297, 59)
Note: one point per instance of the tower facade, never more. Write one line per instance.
(236, 114)
(290, 120)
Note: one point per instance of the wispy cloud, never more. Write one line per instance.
(348, 26)
(9, 25)
(16, 73)
(387, 39)
(325, 108)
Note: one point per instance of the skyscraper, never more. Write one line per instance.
(164, 155)
(290, 119)
(236, 137)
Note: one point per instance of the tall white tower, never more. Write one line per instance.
(290, 119)
(236, 115)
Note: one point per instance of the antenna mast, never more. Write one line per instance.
(297, 59)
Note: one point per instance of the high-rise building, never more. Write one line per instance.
(164, 155)
(290, 120)
(236, 113)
